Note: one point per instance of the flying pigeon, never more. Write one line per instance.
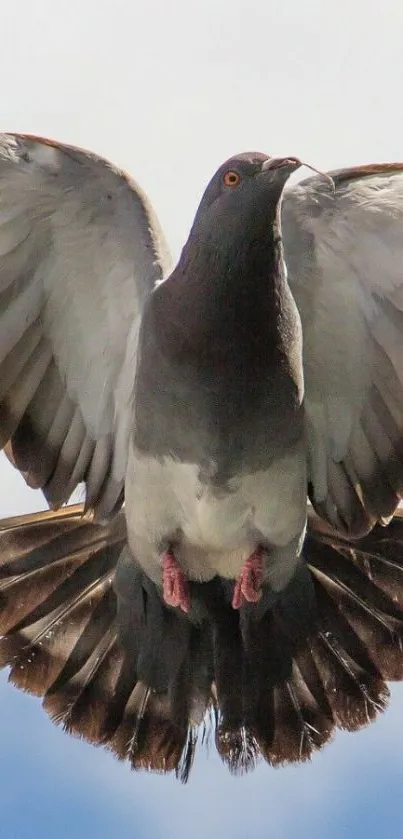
(237, 423)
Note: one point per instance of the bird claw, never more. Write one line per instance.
(174, 583)
(248, 584)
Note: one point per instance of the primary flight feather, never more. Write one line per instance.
(201, 405)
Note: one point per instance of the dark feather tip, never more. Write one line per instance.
(237, 748)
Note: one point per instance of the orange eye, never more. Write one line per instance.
(231, 178)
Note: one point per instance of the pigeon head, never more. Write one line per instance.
(230, 275)
(225, 303)
(243, 197)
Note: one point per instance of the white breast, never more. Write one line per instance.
(213, 531)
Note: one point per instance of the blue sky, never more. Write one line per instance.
(55, 786)
(169, 90)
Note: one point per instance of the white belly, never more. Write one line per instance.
(213, 531)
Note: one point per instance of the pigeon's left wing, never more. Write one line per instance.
(344, 254)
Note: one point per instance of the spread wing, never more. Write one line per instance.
(80, 249)
(344, 252)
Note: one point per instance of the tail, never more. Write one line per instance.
(83, 628)
(134, 679)
(320, 658)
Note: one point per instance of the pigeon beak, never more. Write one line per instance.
(290, 164)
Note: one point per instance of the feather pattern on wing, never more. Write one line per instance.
(344, 253)
(80, 249)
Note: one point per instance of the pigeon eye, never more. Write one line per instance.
(231, 178)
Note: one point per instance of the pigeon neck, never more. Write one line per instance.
(225, 294)
(220, 358)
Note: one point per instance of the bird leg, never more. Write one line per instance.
(248, 584)
(174, 583)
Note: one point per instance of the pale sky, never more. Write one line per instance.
(168, 90)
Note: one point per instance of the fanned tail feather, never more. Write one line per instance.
(82, 627)
(135, 680)
(319, 658)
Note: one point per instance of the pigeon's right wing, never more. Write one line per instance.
(344, 254)
(80, 249)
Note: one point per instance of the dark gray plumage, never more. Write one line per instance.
(210, 399)
(220, 341)
(220, 365)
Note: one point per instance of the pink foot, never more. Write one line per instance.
(174, 583)
(248, 584)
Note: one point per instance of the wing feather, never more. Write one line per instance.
(80, 249)
(344, 252)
